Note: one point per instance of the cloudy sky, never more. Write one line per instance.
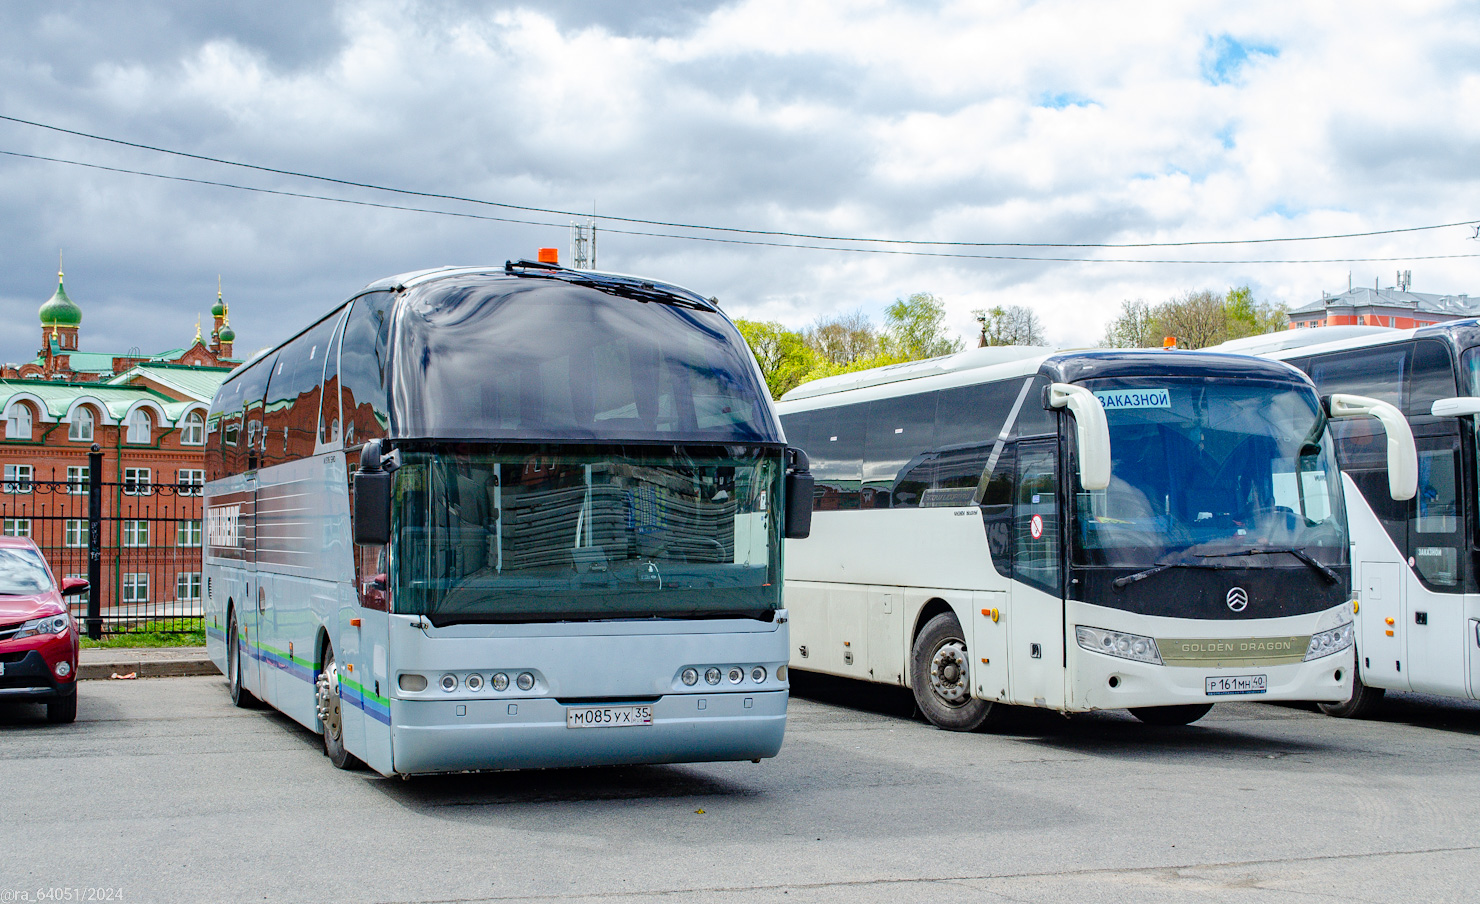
(1002, 127)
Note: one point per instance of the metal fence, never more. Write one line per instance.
(138, 544)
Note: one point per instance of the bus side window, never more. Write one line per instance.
(292, 411)
(1435, 530)
(362, 368)
(837, 456)
(899, 429)
(1036, 517)
(996, 509)
(1378, 374)
(1431, 379)
(328, 429)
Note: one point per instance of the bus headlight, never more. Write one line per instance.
(525, 681)
(758, 674)
(690, 676)
(1119, 644)
(711, 676)
(1328, 642)
(500, 682)
(449, 683)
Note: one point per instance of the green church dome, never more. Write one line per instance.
(219, 307)
(227, 334)
(60, 310)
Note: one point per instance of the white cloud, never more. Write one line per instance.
(969, 122)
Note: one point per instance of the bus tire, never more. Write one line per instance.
(331, 719)
(240, 696)
(1362, 703)
(1185, 714)
(940, 676)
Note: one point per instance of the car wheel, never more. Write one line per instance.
(1171, 715)
(331, 714)
(62, 709)
(240, 696)
(940, 676)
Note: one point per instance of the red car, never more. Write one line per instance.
(38, 638)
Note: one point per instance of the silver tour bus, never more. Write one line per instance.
(506, 517)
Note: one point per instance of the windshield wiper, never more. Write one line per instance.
(1330, 576)
(1163, 566)
(622, 286)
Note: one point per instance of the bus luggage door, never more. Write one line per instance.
(1383, 632)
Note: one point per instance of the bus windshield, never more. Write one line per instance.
(551, 533)
(1207, 467)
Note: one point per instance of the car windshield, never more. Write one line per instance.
(564, 533)
(22, 573)
(1207, 467)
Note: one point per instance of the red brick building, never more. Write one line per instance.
(146, 414)
(1396, 308)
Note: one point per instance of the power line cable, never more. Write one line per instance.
(716, 239)
(764, 232)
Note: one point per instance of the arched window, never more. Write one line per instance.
(81, 428)
(18, 423)
(139, 427)
(193, 431)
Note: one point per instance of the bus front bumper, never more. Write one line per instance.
(453, 736)
(1106, 682)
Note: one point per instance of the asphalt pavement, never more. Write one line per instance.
(162, 791)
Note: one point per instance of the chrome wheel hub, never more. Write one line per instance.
(949, 677)
(326, 692)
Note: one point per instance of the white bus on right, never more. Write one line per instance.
(1415, 564)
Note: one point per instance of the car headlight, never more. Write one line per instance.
(1328, 642)
(1118, 643)
(51, 624)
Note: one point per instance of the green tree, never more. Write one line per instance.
(915, 328)
(1134, 327)
(783, 354)
(1197, 320)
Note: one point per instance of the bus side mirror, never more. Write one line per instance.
(1402, 454)
(1456, 407)
(1094, 432)
(372, 514)
(799, 484)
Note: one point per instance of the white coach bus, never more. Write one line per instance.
(505, 517)
(1154, 531)
(1415, 561)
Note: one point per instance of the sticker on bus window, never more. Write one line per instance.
(1122, 399)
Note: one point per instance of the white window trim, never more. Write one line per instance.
(137, 524)
(193, 425)
(83, 417)
(18, 483)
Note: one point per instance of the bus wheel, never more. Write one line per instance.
(240, 696)
(326, 692)
(1363, 703)
(1171, 715)
(940, 676)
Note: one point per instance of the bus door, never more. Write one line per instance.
(1035, 626)
(1436, 603)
